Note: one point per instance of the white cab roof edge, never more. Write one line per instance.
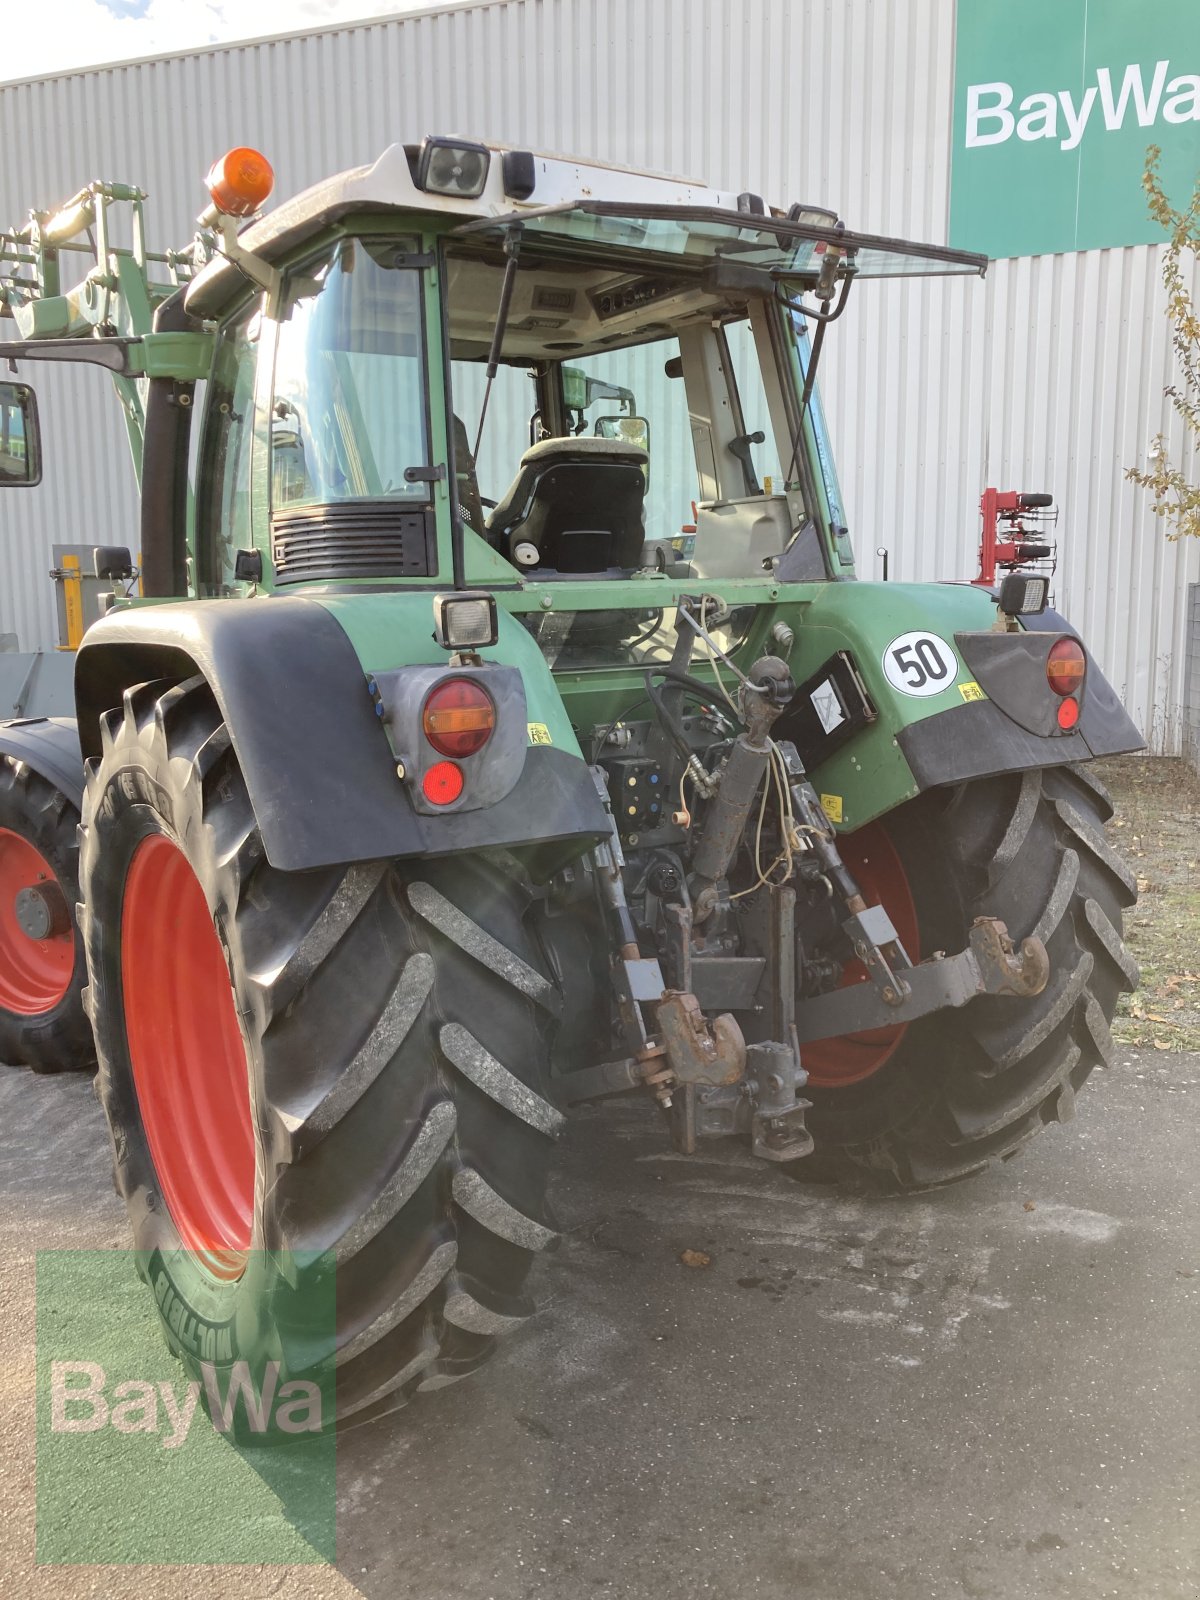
(388, 185)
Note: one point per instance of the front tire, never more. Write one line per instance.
(956, 1091)
(379, 1109)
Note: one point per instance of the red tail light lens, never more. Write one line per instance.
(1068, 713)
(442, 784)
(459, 718)
(1065, 666)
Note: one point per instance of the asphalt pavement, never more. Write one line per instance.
(989, 1391)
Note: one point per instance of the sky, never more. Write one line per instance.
(56, 35)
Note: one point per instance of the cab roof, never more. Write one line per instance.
(521, 185)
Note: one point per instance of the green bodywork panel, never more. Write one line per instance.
(396, 630)
(868, 775)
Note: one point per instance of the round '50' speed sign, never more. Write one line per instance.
(920, 664)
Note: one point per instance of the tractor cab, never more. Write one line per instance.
(535, 372)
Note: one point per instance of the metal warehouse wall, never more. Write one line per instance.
(1191, 687)
(1050, 375)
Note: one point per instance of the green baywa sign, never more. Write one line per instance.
(1055, 103)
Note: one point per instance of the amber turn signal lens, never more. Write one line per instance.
(1065, 666)
(240, 182)
(442, 784)
(459, 718)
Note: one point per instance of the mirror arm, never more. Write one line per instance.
(814, 358)
(810, 312)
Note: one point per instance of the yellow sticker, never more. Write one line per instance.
(539, 733)
(831, 805)
(971, 691)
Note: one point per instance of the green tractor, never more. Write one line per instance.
(464, 744)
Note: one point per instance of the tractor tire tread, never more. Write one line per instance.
(1001, 1069)
(398, 1067)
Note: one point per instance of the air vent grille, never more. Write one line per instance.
(352, 539)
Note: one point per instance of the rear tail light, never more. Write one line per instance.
(1065, 667)
(459, 718)
(443, 783)
(1068, 713)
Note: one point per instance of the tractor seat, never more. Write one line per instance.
(578, 503)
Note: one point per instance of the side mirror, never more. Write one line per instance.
(20, 437)
(630, 430)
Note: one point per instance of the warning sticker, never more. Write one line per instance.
(971, 691)
(825, 703)
(831, 805)
(539, 733)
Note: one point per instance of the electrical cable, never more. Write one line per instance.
(667, 718)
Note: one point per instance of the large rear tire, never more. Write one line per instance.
(339, 1068)
(956, 1091)
(42, 1020)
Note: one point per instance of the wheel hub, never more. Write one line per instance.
(37, 940)
(41, 911)
(852, 1058)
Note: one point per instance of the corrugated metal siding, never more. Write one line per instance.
(1049, 376)
(1191, 695)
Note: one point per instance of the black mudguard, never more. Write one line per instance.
(315, 757)
(50, 745)
(1015, 727)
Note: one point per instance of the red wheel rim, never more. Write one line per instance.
(872, 859)
(188, 1058)
(35, 974)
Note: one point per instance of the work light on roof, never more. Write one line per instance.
(453, 167)
(812, 216)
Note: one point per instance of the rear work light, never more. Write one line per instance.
(1023, 596)
(442, 784)
(465, 621)
(458, 719)
(453, 167)
(240, 182)
(1066, 666)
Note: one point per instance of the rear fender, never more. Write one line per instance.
(50, 745)
(311, 739)
(945, 734)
